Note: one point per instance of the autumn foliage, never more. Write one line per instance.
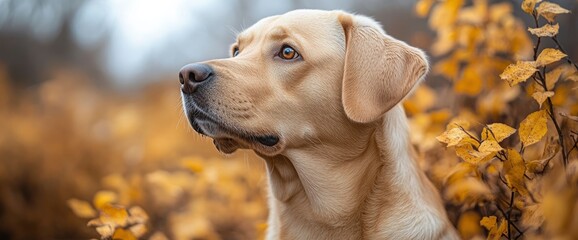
(507, 164)
(81, 161)
(499, 138)
(510, 169)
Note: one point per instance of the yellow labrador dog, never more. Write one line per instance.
(317, 95)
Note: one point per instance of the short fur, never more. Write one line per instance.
(343, 167)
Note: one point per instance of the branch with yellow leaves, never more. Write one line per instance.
(549, 11)
(536, 69)
(506, 175)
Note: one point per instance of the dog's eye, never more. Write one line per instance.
(235, 51)
(288, 53)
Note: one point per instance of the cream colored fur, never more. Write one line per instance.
(344, 167)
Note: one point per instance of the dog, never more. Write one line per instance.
(317, 94)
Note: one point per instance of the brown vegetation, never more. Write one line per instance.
(129, 166)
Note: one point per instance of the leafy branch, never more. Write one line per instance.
(539, 77)
(485, 162)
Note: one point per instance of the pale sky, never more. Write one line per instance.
(150, 39)
(164, 35)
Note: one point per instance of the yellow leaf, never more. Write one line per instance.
(445, 42)
(469, 36)
(536, 166)
(138, 230)
(492, 169)
(440, 116)
(529, 5)
(499, 11)
(459, 172)
(540, 97)
(421, 100)
(549, 55)
(495, 102)
(514, 169)
(489, 222)
(562, 96)
(474, 15)
(490, 146)
(137, 215)
(105, 231)
(551, 148)
(533, 128)
(194, 164)
(121, 234)
(547, 30)
(497, 131)
(445, 14)
(496, 233)
(469, 141)
(549, 10)
(468, 154)
(468, 225)
(572, 76)
(470, 82)
(158, 236)
(115, 181)
(468, 191)
(114, 215)
(453, 137)
(422, 7)
(518, 72)
(459, 122)
(81, 208)
(102, 198)
(553, 76)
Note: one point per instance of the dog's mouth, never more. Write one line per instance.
(228, 137)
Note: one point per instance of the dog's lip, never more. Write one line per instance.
(226, 133)
(268, 140)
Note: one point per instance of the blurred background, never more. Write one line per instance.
(90, 111)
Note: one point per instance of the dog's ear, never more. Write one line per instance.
(379, 71)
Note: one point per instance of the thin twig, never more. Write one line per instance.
(539, 38)
(503, 154)
(537, 82)
(490, 130)
(575, 146)
(555, 39)
(509, 214)
(501, 179)
(504, 214)
(468, 133)
(519, 235)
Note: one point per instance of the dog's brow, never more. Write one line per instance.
(278, 33)
(244, 38)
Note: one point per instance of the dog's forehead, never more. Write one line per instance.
(306, 22)
(307, 16)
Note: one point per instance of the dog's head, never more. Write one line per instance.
(304, 76)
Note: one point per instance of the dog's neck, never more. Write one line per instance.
(332, 187)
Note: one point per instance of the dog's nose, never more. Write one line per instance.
(192, 75)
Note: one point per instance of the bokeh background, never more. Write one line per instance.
(90, 111)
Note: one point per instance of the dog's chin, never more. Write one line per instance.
(226, 145)
(227, 140)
